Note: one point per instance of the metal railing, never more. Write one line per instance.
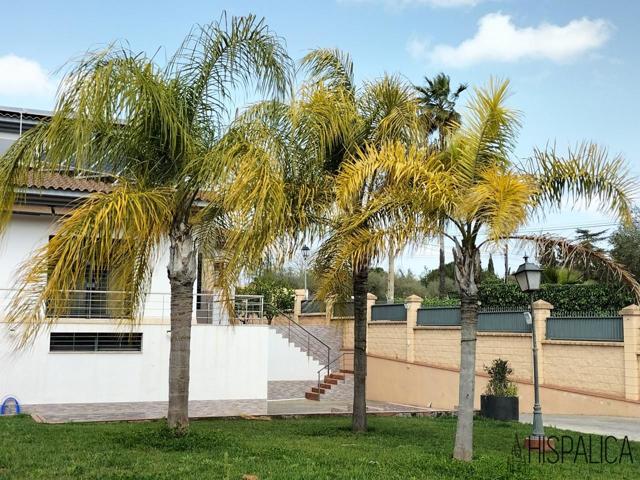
(327, 367)
(300, 336)
(208, 307)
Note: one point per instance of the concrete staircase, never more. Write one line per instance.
(327, 334)
(335, 386)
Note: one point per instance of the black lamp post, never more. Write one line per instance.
(305, 257)
(528, 277)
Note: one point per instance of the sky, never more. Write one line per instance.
(573, 65)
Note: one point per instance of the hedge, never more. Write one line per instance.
(595, 298)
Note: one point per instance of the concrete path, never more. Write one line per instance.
(615, 426)
(325, 406)
(133, 411)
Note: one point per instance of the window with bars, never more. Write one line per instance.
(95, 342)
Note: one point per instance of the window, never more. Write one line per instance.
(92, 298)
(95, 342)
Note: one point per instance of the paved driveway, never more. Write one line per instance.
(615, 426)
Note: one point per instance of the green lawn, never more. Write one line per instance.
(315, 448)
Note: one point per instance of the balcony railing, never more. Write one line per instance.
(208, 308)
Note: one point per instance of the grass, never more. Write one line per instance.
(313, 448)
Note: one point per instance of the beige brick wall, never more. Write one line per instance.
(516, 348)
(387, 339)
(598, 368)
(437, 346)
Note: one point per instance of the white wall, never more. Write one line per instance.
(288, 362)
(226, 363)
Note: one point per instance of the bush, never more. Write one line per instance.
(586, 297)
(277, 295)
(499, 383)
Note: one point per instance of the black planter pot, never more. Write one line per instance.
(499, 408)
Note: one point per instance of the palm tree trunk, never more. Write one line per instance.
(441, 276)
(467, 271)
(182, 274)
(391, 276)
(359, 419)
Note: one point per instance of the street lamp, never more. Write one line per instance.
(305, 257)
(528, 277)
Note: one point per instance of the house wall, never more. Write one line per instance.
(226, 363)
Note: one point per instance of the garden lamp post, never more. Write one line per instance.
(528, 277)
(305, 257)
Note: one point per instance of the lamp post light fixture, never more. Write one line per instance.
(528, 277)
(305, 257)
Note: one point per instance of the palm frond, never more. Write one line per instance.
(586, 172)
(332, 68)
(119, 232)
(576, 253)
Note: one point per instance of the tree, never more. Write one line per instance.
(154, 130)
(490, 268)
(437, 104)
(312, 140)
(476, 186)
(625, 243)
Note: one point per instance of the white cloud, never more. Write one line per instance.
(398, 4)
(23, 77)
(499, 40)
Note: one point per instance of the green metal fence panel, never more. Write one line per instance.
(393, 312)
(589, 328)
(495, 320)
(512, 321)
(343, 309)
(439, 316)
(313, 306)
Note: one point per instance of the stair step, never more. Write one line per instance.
(312, 396)
(326, 386)
(346, 371)
(337, 376)
(330, 380)
(317, 390)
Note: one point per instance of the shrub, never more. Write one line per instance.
(277, 296)
(499, 383)
(595, 297)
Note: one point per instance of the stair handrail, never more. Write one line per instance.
(309, 335)
(326, 367)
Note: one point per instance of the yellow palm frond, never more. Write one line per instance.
(118, 232)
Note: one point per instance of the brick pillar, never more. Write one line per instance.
(541, 311)
(371, 301)
(412, 303)
(328, 310)
(631, 325)
(299, 295)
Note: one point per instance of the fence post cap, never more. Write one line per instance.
(371, 296)
(413, 299)
(542, 305)
(630, 310)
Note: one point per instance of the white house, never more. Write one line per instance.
(87, 358)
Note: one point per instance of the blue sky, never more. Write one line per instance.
(573, 64)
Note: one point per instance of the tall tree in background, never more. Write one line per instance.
(625, 243)
(478, 187)
(438, 106)
(155, 130)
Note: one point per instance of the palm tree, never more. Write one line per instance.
(154, 131)
(305, 143)
(438, 106)
(477, 187)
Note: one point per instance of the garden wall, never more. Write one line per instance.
(414, 359)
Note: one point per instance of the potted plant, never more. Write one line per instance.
(500, 400)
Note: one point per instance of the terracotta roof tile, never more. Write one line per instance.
(59, 181)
